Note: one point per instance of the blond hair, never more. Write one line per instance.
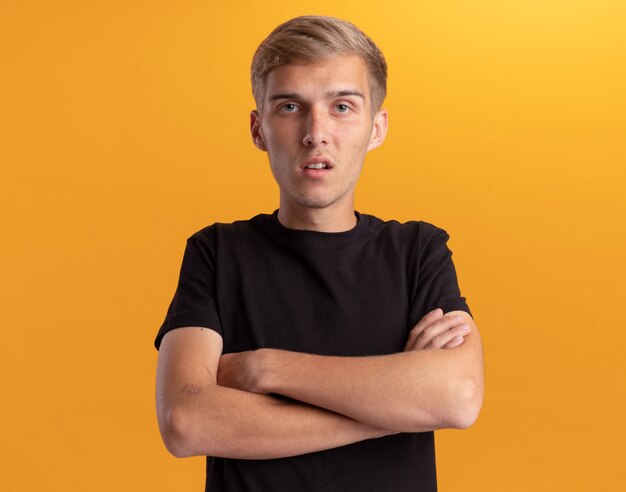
(308, 39)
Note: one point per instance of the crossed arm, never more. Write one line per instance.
(220, 405)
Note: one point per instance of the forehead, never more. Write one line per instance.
(334, 73)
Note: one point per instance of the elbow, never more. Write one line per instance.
(174, 426)
(463, 408)
(457, 406)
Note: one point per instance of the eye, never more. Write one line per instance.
(288, 108)
(342, 108)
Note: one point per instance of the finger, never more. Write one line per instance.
(449, 336)
(426, 320)
(435, 329)
(455, 342)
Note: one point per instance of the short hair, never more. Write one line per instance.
(308, 39)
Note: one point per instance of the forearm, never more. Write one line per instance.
(218, 421)
(198, 417)
(408, 392)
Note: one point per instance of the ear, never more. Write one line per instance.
(255, 130)
(379, 130)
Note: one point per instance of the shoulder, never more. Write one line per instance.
(415, 232)
(234, 230)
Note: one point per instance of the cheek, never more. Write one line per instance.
(358, 134)
(280, 137)
(358, 143)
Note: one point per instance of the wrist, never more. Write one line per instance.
(263, 373)
(273, 366)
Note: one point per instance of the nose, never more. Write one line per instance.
(316, 131)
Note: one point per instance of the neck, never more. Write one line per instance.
(328, 219)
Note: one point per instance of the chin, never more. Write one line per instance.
(314, 204)
(316, 201)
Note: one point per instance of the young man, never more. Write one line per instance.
(317, 348)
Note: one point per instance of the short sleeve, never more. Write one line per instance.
(437, 284)
(194, 302)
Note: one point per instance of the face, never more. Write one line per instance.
(316, 124)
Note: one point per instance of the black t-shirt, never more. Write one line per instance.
(354, 293)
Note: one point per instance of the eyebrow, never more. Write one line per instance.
(332, 94)
(329, 95)
(292, 95)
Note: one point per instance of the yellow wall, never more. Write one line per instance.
(124, 129)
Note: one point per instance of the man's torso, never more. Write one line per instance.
(353, 293)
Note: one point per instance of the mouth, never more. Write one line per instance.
(317, 163)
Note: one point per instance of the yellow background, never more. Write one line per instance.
(124, 129)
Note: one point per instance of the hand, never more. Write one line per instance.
(238, 371)
(436, 330)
